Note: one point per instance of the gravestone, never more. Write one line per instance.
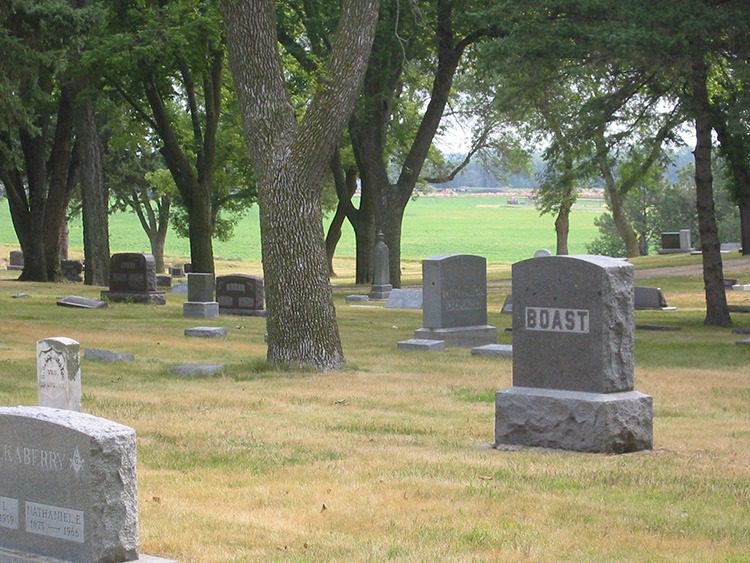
(198, 370)
(187, 268)
(67, 486)
(99, 355)
(422, 345)
(240, 294)
(58, 366)
(72, 270)
(163, 280)
(542, 253)
(132, 279)
(15, 260)
(676, 242)
(206, 331)
(649, 298)
(507, 307)
(79, 302)
(454, 306)
(573, 337)
(381, 286)
(730, 246)
(176, 272)
(200, 302)
(404, 299)
(356, 299)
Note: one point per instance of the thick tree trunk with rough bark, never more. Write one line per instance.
(744, 205)
(717, 312)
(94, 197)
(290, 160)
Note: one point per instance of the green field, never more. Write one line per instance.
(482, 225)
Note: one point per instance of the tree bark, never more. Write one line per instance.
(562, 228)
(346, 185)
(717, 313)
(94, 197)
(289, 160)
(744, 205)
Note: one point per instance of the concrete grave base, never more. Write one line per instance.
(200, 309)
(141, 297)
(574, 420)
(422, 344)
(464, 336)
(493, 350)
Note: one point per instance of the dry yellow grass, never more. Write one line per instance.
(391, 459)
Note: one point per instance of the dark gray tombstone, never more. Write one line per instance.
(132, 279)
(381, 286)
(573, 337)
(206, 331)
(15, 260)
(493, 350)
(67, 486)
(163, 280)
(454, 306)
(72, 270)
(240, 294)
(405, 299)
(676, 242)
(507, 307)
(187, 267)
(200, 302)
(176, 272)
(81, 302)
(649, 298)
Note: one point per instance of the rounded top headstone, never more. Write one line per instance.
(541, 253)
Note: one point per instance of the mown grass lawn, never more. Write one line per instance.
(390, 459)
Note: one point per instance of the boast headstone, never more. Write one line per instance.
(240, 294)
(381, 286)
(58, 364)
(15, 260)
(67, 486)
(200, 303)
(132, 279)
(454, 291)
(573, 336)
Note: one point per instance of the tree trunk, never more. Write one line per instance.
(717, 312)
(94, 197)
(744, 205)
(290, 160)
(562, 228)
(346, 185)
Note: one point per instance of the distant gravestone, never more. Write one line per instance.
(72, 270)
(198, 370)
(200, 302)
(187, 267)
(132, 279)
(163, 280)
(676, 242)
(507, 307)
(573, 338)
(78, 302)
(356, 299)
(15, 260)
(176, 272)
(649, 298)
(99, 355)
(493, 350)
(542, 253)
(422, 345)
(206, 331)
(67, 487)
(58, 365)
(381, 286)
(404, 299)
(454, 306)
(240, 294)
(731, 246)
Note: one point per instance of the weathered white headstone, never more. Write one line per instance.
(67, 486)
(573, 329)
(58, 364)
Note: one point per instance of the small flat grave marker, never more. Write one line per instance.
(99, 355)
(81, 302)
(404, 299)
(493, 350)
(206, 331)
(422, 345)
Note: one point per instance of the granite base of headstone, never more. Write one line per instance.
(198, 370)
(15, 260)
(99, 355)
(200, 302)
(58, 362)
(240, 294)
(404, 299)
(67, 486)
(573, 350)
(132, 279)
(78, 302)
(421, 345)
(743, 342)
(741, 287)
(493, 350)
(206, 331)
(454, 306)
(198, 310)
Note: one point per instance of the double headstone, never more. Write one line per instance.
(240, 294)
(200, 303)
(132, 279)
(58, 362)
(573, 365)
(67, 487)
(454, 307)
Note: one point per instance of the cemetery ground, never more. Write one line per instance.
(391, 458)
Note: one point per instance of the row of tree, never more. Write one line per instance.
(133, 99)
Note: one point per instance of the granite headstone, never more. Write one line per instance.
(200, 302)
(15, 260)
(132, 279)
(240, 294)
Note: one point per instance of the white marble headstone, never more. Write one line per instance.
(58, 364)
